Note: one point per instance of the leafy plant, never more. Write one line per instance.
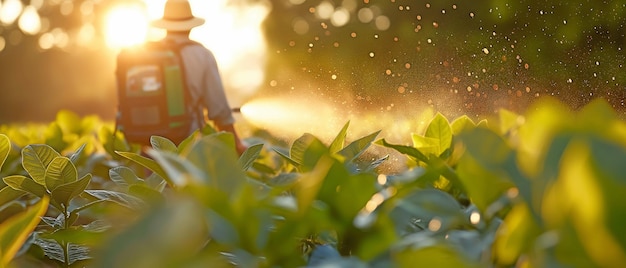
(540, 189)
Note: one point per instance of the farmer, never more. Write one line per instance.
(201, 71)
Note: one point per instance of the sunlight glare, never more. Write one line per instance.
(10, 11)
(232, 32)
(30, 22)
(126, 25)
(291, 116)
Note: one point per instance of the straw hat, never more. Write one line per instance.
(177, 16)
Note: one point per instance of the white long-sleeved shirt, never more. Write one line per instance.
(204, 83)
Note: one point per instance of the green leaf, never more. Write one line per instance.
(15, 230)
(54, 137)
(356, 148)
(426, 145)
(515, 235)
(11, 209)
(167, 236)
(300, 145)
(25, 184)
(287, 158)
(181, 170)
(123, 176)
(60, 171)
(311, 182)
(123, 199)
(483, 186)
(461, 123)
(5, 148)
(438, 255)
(35, 160)
(426, 205)
(163, 144)
(339, 140)
(76, 155)
(146, 193)
(439, 128)
(407, 150)
(8, 194)
(147, 163)
(66, 192)
(55, 251)
(508, 120)
(223, 172)
(69, 121)
(250, 155)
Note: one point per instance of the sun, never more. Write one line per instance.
(126, 25)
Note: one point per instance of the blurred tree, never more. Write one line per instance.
(499, 52)
(462, 57)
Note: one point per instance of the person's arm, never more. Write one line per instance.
(238, 143)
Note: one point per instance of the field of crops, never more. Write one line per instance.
(542, 189)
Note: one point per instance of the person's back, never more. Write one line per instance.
(203, 81)
(202, 78)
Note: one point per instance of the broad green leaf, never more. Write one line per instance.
(55, 251)
(224, 137)
(483, 186)
(591, 196)
(439, 128)
(427, 205)
(25, 184)
(146, 193)
(35, 160)
(163, 237)
(8, 194)
(287, 158)
(250, 155)
(509, 121)
(311, 182)
(426, 145)
(69, 121)
(487, 147)
(76, 155)
(163, 144)
(180, 170)
(123, 199)
(10, 209)
(340, 185)
(356, 148)
(112, 141)
(66, 192)
(54, 137)
(300, 145)
(5, 149)
(60, 171)
(492, 153)
(437, 255)
(407, 150)
(15, 231)
(339, 140)
(219, 162)
(147, 163)
(515, 235)
(461, 123)
(123, 176)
